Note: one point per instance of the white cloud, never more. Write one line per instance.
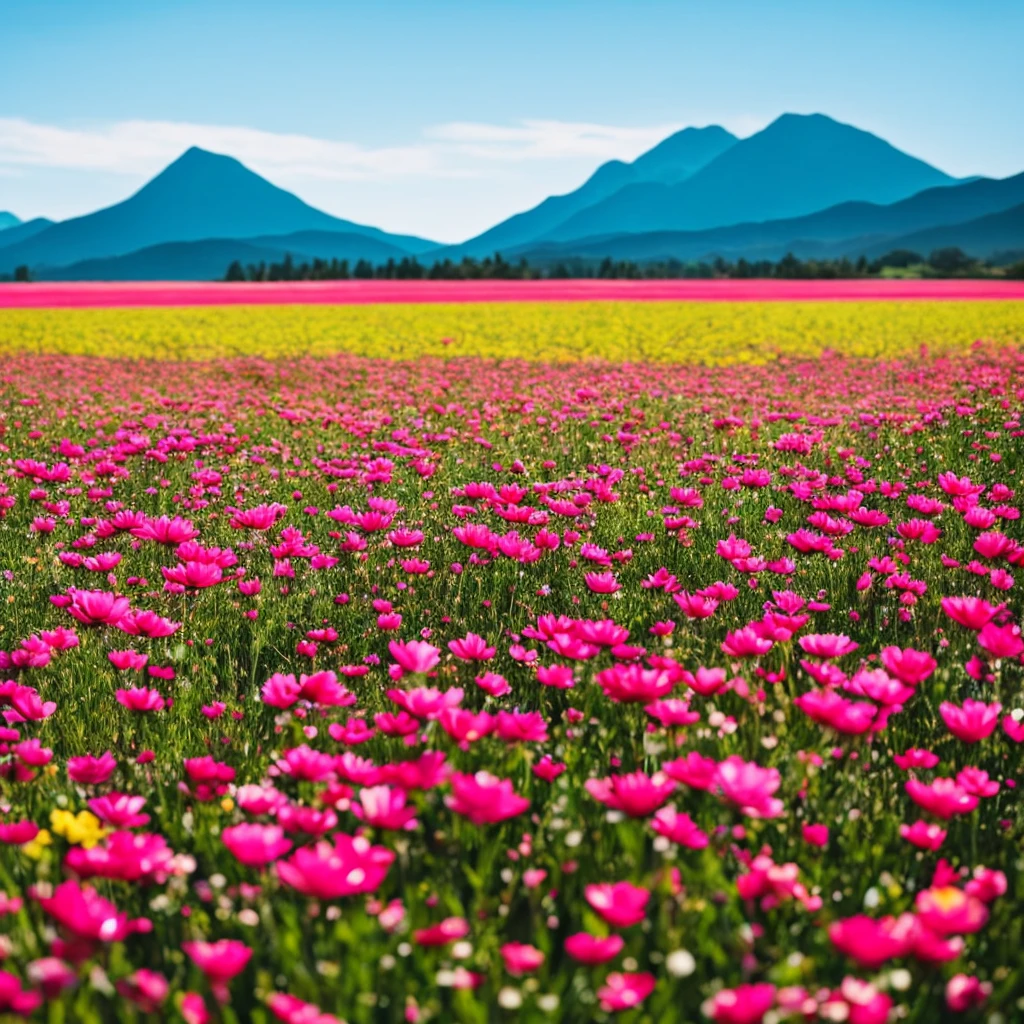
(134, 147)
(549, 140)
(456, 149)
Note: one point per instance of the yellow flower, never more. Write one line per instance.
(35, 848)
(81, 829)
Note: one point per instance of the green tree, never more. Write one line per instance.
(950, 260)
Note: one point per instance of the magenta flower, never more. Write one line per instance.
(636, 794)
(589, 949)
(416, 657)
(470, 648)
(746, 1004)
(484, 799)
(328, 871)
(971, 722)
(91, 770)
(624, 991)
(255, 845)
(621, 904)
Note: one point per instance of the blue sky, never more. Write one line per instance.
(441, 118)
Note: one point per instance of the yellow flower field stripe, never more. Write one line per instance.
(711, 333)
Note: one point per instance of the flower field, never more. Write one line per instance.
(653, 663)
(711, 333)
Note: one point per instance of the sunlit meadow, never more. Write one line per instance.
(655, 663)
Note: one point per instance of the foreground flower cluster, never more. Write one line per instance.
(471, 691)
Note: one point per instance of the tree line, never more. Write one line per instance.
(946, 262)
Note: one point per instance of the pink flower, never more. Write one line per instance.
(146, 623)
(909, 666)
(680, 828)
(548, 769)
(426, 701)
(749, 786)
(973, 721)
(451, 929)
(493, 684)
(165, 530)
(923, 835)
(943, 797)
(302, 762)
(694, 771)
(827, 645)
(916, 758)
(624, 991)
(91, 770)
(705, 681)
(816, 835)
(292, 1010)
(471, 648)
(17, 833)
(746, 1004)
(520, 958)
(416, 657)
(871, 943)
(146, 989)
(602, 582)
(672, 713)
(220, 961)
(32, 753)
(128, 660)
(16, 1000)
(521, 727)
(193, 575)
(946, 910)
(120, 810)
(633, 684)
(972, 612)
(695, 606)
(635, 794)
(745, 643)
(141, 699)
(484, 799)
(966, 992)
(329, 871)
(1014, 729)
(255, 845)
(621, 904)
(976, 781)
(193, 1009)
(829, 708)
(86, 915)
(384, 807)
(1001, 641)
(97, 607)
(589, 949)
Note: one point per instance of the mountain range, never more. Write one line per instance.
(804, 184)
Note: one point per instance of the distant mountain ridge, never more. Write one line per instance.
(8, 220)
(795, 166)
(200, 195)
(673, 160)
(847, 229)
(25, 229)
